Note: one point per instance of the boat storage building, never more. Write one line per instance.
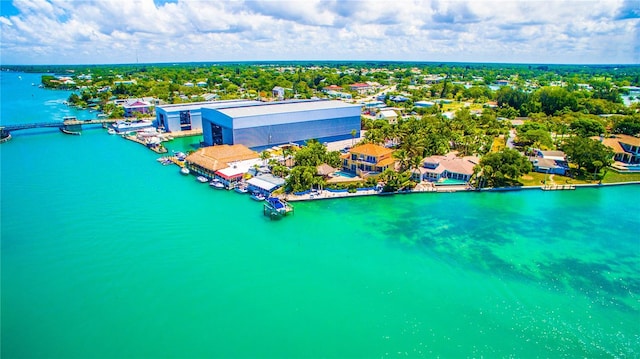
(188, 116)
(274, 123)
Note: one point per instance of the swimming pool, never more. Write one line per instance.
(343, 174)
(450, 182)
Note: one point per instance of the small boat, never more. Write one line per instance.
(111, 131)
(184, 171)
(241, 189)
(257, 196)
(202, 179)
(215, 183)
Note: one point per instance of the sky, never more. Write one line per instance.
(144, 31)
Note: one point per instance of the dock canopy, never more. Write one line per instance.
(266, 182)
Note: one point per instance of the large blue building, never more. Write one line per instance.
(275, 123)
(188, 116)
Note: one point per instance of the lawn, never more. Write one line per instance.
(537, 179)
(613, 176)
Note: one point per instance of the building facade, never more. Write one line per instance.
(274, 123)
(188, 116)
(368, 159)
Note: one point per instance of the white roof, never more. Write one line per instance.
(284, 107)
(240, 167)
(260, 183)
(388, 113)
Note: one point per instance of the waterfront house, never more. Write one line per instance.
(207, 161)
(626, 148)
(136, 106)
(552, 162)
(438, 168)
(368, 159)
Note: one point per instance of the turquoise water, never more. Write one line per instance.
(106, 253)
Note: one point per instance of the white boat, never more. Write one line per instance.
(111, 131)
(215, 183)
(125, 126)
(241, 189)
(202, 179)
(257, 197)
(184, 170)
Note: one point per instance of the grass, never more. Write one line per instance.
(613, 176)
(537, 179)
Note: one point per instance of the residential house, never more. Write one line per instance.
(552, 162)
(335, 88)
(360, 88)
(136, 106)
(278, 92)
(368, 159)
(438, 168)
(625, 147)
(388, 115)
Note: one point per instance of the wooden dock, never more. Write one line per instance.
(558, 187)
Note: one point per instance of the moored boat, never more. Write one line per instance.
(215, 183)
(184, 171)
(241, 189)
(125, 126)
(202, 179)
(256, 196)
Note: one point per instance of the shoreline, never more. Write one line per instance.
(327, 195)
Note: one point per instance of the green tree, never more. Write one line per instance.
(502, 168)
(302, 178)
(586, 127)
(587, 153)
(628, 126)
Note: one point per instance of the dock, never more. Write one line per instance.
(157, 148)
(276, 208)
(558, 187)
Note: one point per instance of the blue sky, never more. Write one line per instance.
(126, 31)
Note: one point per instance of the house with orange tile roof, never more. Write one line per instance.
(625, 147)
(368, 159)
(361, 88)
(437, 168)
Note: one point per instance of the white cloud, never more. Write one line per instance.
(572, 31)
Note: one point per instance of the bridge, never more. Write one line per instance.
(69, 126)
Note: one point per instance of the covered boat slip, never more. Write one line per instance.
(275, 208)
(265, 184)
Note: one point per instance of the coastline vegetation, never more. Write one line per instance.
(473, 109)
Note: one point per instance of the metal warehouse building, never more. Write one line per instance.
(188, 116)
(276, 123)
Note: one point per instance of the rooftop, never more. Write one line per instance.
(371, 149)
(268, 108)
(218, 157)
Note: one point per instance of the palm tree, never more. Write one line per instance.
(264, 156)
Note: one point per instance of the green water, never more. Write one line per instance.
(107, 253)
